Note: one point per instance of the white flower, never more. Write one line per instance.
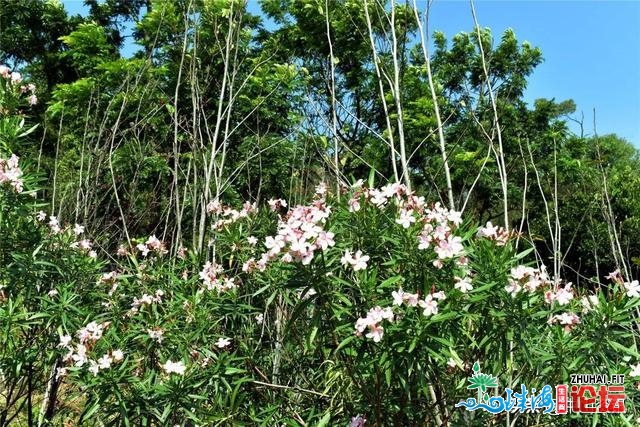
(632, 288)
(117, 355)
(564, 295)
(376, 332)
(513, 288)
(174, 367)
(463, 285)
(589, 303)
(430, 305)
(223, 342)
(635, 370)
(93, 368)
(65, 340)
(398, 297)
(104, 362)
(156, 334)
(360, 261)
(78, 229)
(406, 218)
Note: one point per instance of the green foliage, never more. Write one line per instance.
(220, 106)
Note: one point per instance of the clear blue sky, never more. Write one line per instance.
(591, 51)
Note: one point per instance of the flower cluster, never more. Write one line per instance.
(145, 300)
(528, 278)
(10, 173)
(632, 288)
(77, 354)
(569, 320)
(174, 367)
(152, 244)
(495, 233)
(14, 80)
(300, 234)
(83, 245)
(229, 215)
(438, 223)
(532, 279)
(357, 261)
(213, 277)
(110, 278)
(373, 321)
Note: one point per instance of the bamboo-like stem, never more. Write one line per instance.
(502, 168)
(334, 116)
(424, 40)
(397, 95)
(385, 107)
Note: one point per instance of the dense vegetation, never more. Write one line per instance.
(287, 219)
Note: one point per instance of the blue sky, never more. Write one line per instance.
(591, 51)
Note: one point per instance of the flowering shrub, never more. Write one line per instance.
(367, 310)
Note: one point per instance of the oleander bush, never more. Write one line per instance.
(369, 304)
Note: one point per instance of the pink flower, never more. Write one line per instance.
(463, 285)
(354, 204)
(16, 77)
(520, 272)
(360, 261)
(449, 248)
(346, 258)
(325, 240)
(455, 217)
(375, 332)
(104, 362)
(564, 295)
(33, 100)
(275, 204)
(122, 251)
(156, 334)
(357, 421)
(589, 303)
(321, 189)
(513, 288)
(568, 320)
(65, 341)
(398, 297)
(488, 230)
(430, 306)
(143, 249)
(614, 276)
(440, 296)
(214, 207)
(406, 218)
